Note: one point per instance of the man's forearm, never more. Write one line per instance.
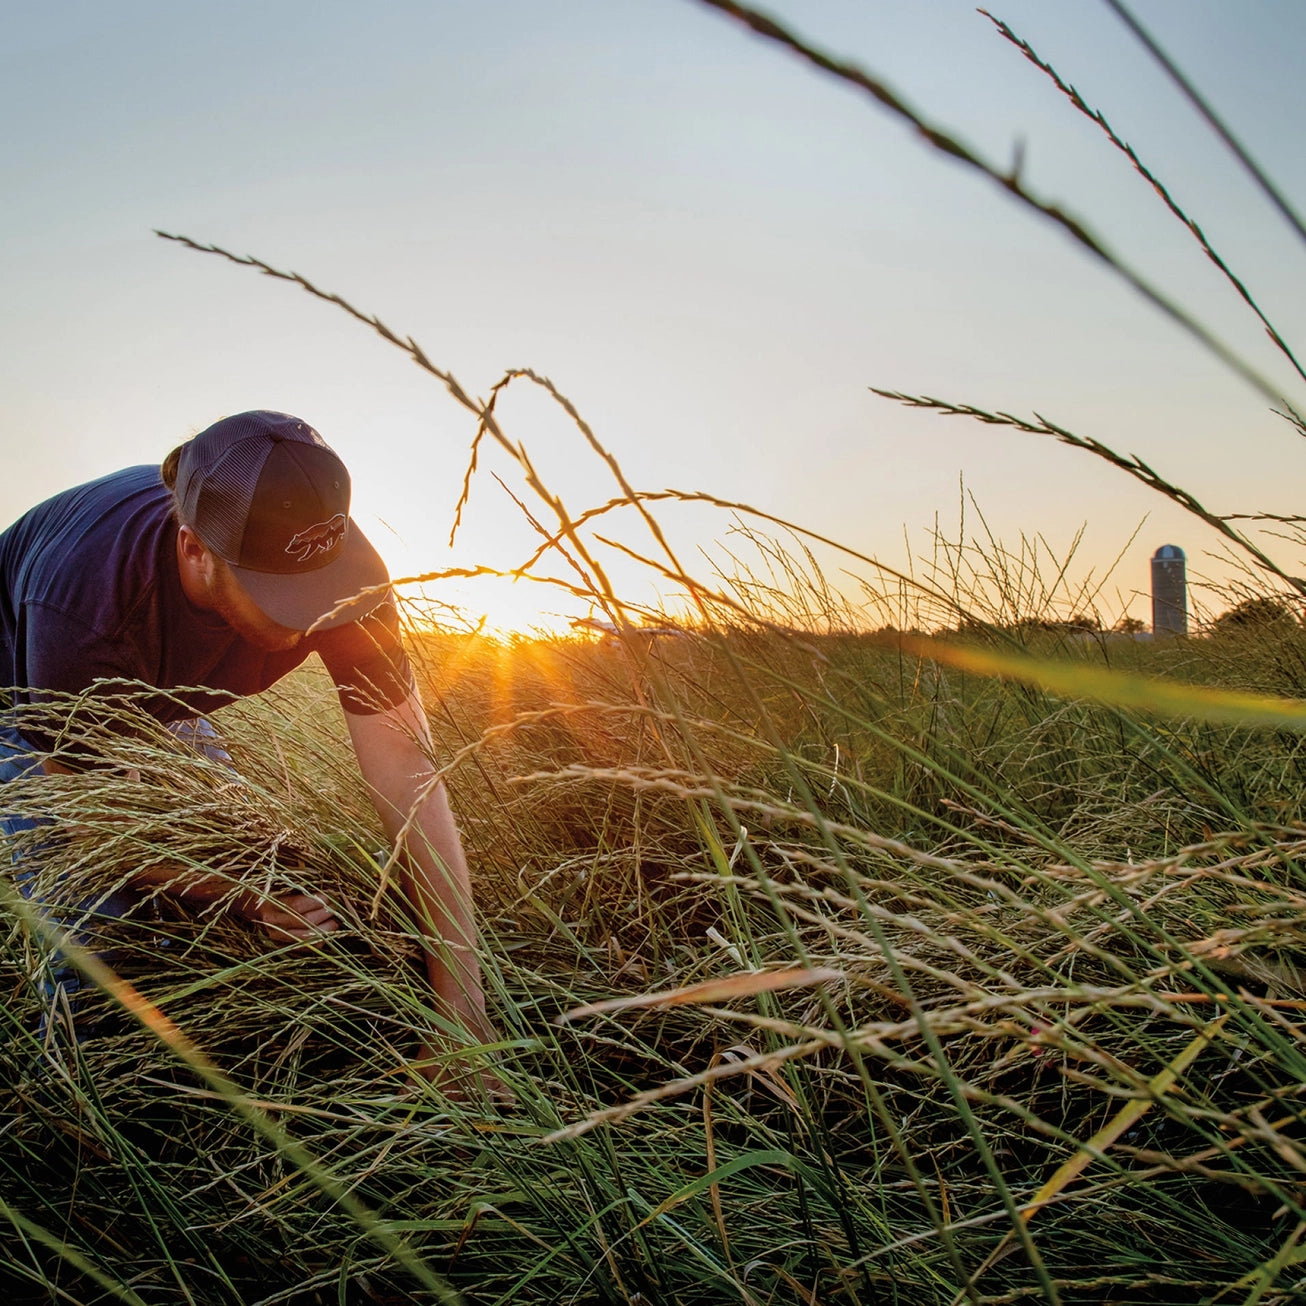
(392, 749)
(438, 885)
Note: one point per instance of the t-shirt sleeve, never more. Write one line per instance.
(367, 661)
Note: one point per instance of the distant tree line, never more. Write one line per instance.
(1260, 614)
(1264, 614)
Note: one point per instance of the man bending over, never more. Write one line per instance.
(225, 569)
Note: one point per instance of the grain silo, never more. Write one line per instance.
(1169, 592)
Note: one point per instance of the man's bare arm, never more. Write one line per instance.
(394, 757)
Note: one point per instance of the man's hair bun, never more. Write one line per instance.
(168, 471)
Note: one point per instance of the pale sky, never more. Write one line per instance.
(710, 247)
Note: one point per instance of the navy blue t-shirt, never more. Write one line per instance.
(90, 588)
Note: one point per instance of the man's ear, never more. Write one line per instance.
(189, 543)
(192, 555)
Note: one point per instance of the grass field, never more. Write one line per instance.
(1056, 1052)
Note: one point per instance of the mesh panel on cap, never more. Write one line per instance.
(222, 503)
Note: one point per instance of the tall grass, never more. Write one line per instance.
(827, 968)
(1032, 908)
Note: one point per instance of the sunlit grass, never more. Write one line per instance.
(1017, 911)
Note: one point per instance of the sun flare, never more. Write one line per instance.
(494, 605)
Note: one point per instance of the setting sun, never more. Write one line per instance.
(495, 605)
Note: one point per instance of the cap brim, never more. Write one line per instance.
(345, 590)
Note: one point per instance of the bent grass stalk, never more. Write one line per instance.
(1009, 179)
(1096, 116)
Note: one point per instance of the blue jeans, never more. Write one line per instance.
(58, 979)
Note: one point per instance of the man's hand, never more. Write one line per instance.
(286, 918)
